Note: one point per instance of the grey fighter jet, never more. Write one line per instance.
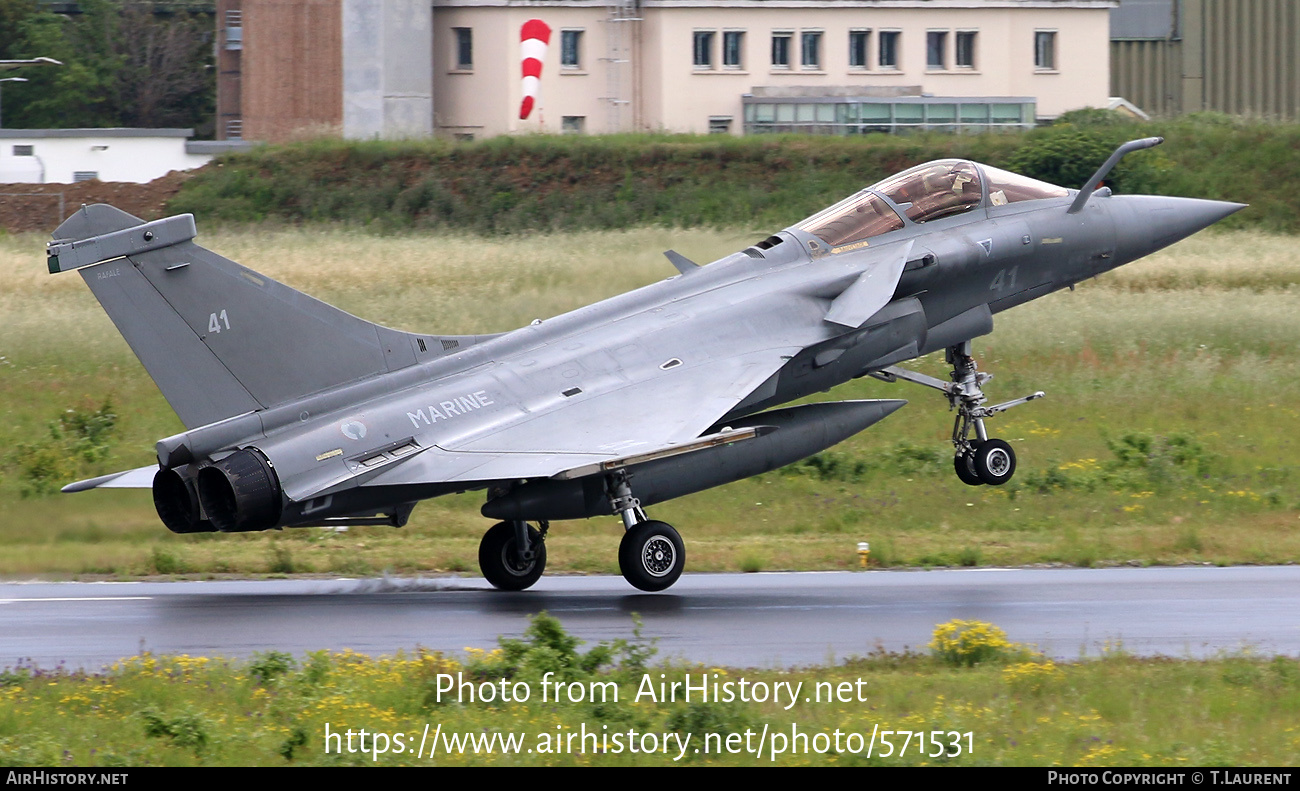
(298, 414)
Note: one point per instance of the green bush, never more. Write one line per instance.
(546, 646)
(76, 442)
(185, 729)
(267, 666)
(556, 183)
(1069, 151)
(166, 562)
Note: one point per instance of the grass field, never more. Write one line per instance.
(1169, 434)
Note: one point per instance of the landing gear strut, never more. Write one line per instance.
(651, 554)
(512, 555)
(979, 459)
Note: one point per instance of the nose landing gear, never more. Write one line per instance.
(979, 459)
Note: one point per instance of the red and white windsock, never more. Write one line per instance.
(533, 38)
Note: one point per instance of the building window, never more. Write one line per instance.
(858, 48)
(573, 124)
(781, 50)
(462, 137)
(936, 50)
(85, 175)
(704, 49)
(810, 50)
(23, 151)
(888, 45)
(733, 47)
(1045, 49)
(719, 124)
(234, 30)
(840, 115)
(571, 49)
(966, 49)
(464, 48)
(235, 129)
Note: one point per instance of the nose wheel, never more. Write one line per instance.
(992, 461)
(979, 459)
(964, 463)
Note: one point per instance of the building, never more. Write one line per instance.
(1234, 56)
(404, 68)
(65, 156)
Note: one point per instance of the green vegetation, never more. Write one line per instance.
(512, 184)
(1166, 437)
(1018, 707)
(560, 183)
(125, 63)
(76, 441)
(970, 643)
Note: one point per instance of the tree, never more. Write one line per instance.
(125, 64)
(13, 13)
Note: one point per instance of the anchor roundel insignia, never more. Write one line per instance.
(353, 429)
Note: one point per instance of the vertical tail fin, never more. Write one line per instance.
(219, 339)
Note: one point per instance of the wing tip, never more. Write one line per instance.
(139, 478)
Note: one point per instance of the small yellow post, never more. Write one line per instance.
(864, 550)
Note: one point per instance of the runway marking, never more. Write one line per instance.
(78, 598)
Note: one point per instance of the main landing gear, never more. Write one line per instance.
(979, 459)
(512, 555)
(651, 554)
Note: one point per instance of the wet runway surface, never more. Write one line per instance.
(726, 619)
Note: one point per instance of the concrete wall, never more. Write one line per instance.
(387, 68)
(138, 155)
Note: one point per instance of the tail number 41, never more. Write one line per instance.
(218, 320)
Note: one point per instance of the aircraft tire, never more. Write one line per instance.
(964, 464)
(496, 558)
(994, 462)
(651, 555)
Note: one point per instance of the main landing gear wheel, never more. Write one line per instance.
(499, 559)
(963, 463)
(994, 462)
(651, 555)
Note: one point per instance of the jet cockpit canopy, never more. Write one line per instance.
(942, 188)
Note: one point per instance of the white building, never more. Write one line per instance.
(64, 156)
(773, 65)
(407, 68)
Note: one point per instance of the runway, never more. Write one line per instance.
(749, 620)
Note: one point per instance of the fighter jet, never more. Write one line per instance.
(298, 414)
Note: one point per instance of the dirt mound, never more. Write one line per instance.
(35, 207)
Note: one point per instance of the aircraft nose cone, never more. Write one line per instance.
(1151, 222)
(1189, 215)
